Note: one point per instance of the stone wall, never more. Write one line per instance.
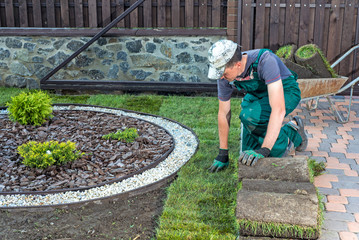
(25, 60)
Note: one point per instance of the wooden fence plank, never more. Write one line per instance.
(216, 13)
(189, 16)
(246, 34)
(120, 8)
(106, 12)
(79, 19)
(347, 36)
(36, 13)
(92, 8)
(319, 23)
(304, 23)
(274, 25)
(9, 11)
(147, 13)
(50, 13)
(23, 13)
(134, 16)
(290, 23)
(259, 26)
(203, 13)
(161, 13)
(175, 13)
(334, 31)
(65, 16)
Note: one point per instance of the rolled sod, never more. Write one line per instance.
(312, 58)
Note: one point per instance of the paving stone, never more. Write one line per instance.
(337, 172)
(346, 160)
(346, 184)
(285, 169)
(335, 225)
(335, 154)
(348, 179)
(338, 216)
(354, 200)
(328, 191)
(324, 146)
(352, 208)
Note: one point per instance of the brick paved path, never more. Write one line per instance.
(338, 146)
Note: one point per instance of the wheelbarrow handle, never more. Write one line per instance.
(345, 55)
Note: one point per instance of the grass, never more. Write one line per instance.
(199, 204)
(284, 52)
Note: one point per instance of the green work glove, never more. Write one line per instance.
(250, 157)
(220, 162)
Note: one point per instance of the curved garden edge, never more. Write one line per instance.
(129, 192)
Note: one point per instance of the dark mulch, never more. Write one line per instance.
(105, 160)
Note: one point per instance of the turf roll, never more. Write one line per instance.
(311, 57)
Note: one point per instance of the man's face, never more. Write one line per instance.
(230, 73)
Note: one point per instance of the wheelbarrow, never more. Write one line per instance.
(313, 89)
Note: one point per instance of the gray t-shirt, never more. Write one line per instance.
(270, 69)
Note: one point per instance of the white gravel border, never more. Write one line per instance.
(185, 146)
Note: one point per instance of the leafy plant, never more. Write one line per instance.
(30, 108)
(43, 155)
(128, 135)
(315, 168)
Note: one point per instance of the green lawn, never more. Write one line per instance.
(199, 204)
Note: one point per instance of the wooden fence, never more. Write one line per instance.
(98, 13)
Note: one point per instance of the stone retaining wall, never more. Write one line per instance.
(25, 60)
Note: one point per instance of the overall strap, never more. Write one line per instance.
(254, 65)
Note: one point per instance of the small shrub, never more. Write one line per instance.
(43, 155)
(128, 135)
(30, 108)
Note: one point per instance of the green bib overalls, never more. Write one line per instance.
(256, 111)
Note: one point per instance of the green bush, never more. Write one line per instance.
(128, 135)
(43, 155)
(30, 108)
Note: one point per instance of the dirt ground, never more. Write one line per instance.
(128, 218)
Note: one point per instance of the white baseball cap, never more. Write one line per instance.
(219, 55)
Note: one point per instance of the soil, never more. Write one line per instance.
(130, 217)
